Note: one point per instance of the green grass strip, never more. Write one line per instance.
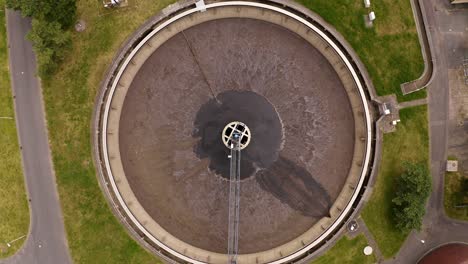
(410, 142)
(348, 251)
(94, 233)
(453, 196)
(390, 49)
(14, 211)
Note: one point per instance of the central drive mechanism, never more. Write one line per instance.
(236, 135)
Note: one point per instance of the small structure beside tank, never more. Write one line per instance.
(452, 165)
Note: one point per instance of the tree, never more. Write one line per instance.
(49, 35)
(29, 8)
(412, 190)
(49, 43)
(61, 11)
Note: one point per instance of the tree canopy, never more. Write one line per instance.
(49, 41)
(61, 11)
(49, 34)
(412, 190)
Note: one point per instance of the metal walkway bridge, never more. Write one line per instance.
(234, 200)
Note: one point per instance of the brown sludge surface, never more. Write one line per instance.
(294, 103)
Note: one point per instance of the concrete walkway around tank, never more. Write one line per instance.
(394, 107)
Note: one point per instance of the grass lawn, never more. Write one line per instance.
(14, 211)
(94, 234)
(410, 142)
(453, 196)
(390, 50)
(349, 251)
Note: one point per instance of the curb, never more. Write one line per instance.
(426, 45)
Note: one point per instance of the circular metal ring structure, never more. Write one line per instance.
(172, 21)
(236, 128)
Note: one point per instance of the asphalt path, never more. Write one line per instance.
(445, 24)
(46, 241)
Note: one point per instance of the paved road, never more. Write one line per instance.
(46, 242)
(448, 31)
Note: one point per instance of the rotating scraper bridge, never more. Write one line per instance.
(117, 117)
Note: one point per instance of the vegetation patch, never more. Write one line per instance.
(394, 17)
(456, 196)
(451, 157)
(409, 143)
(94, 233)
(348, 251)
(49, 35)
(390, 49)
(413, 187)
(14, 211)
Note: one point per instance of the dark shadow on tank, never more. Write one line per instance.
(296, 187)
(253, 110)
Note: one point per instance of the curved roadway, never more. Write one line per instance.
(446, 27)
(46, 242)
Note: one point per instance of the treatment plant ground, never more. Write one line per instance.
(390, 51)
(455, 195)
(14, 210)
(347, 250)
(410, 142)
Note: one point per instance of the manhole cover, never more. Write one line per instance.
(80, 26)
(353, 226)
(368, 251)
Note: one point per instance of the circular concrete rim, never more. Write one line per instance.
(339, 52)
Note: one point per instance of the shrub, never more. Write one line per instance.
(412, 190)
(61, 11)
(49, 43)
(49, 35)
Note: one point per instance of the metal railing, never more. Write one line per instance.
(234, 200)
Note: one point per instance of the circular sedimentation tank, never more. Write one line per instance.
(162, 114)
(453, 253)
